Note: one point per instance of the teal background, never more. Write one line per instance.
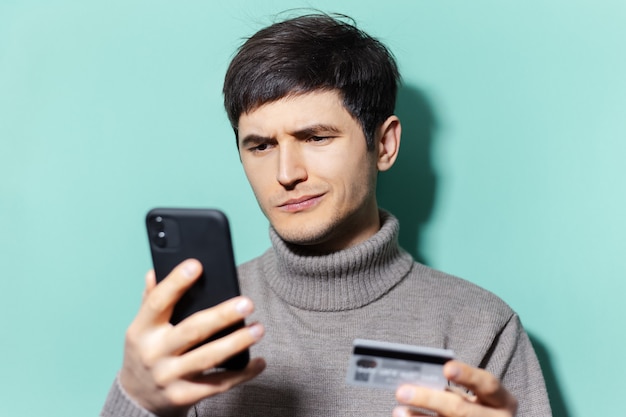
(511, 173)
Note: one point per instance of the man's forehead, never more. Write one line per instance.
(296, 112)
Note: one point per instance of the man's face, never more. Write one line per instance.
(307, 162)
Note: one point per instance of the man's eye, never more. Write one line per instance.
(318, 138)
(260, 147)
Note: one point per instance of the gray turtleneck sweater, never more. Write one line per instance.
(314, 306)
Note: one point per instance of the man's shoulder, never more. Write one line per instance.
(451, 290)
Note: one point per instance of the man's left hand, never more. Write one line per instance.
(489, 399)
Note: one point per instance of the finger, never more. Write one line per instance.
(212, 354)
(187, 392)
(402, 411)
(204, 324)
(483, 384)
(150, 280)
(159, 303)
(226, 379)
(441, 402)
(206, 357)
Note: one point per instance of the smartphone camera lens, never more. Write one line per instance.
(161, 239)
(158, 231)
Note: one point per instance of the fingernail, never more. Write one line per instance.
(405, 394)
(453, 372)
(190, 269)
(400, 412)
(244, 306)
(258, 364)
(256, 330)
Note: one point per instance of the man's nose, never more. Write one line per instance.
(291, 167)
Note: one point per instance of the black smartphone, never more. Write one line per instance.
(176, 234)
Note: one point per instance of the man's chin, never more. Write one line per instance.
(299, 238)
(306, 237)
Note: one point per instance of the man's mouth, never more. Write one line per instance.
(300, 203)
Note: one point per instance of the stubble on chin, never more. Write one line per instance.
(303, 234)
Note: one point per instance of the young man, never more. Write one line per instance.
(311, 101)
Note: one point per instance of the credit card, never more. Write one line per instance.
(387, 365)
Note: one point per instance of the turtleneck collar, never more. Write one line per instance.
(343, 280)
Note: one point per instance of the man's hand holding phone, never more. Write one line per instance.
(159, 371)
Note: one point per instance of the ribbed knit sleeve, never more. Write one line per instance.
(512, 359)
(119, 404)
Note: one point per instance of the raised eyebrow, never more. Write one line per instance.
(316, 130)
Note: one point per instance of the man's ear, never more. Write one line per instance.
(388, 143)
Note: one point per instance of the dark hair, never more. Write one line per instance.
(314, 52)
